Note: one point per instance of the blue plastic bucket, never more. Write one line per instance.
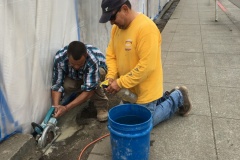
(130, 126)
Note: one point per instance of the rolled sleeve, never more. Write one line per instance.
(57, 88)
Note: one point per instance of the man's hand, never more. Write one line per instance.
(110, 80)
(113, 87)
(59, 111)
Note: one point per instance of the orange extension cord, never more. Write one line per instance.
(91, 144)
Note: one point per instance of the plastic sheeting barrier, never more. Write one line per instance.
(31, 33)
(8, 125)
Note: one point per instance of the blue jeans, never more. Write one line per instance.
(165, 107)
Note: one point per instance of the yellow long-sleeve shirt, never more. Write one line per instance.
(134, 57)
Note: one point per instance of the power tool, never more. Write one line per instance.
(46, 132)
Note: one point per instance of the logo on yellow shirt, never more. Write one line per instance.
(128, 45)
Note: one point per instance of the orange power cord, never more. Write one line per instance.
(91, 144)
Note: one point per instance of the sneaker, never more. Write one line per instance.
(102, 115)
(187, 106)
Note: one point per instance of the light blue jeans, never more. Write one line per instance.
(165, 107)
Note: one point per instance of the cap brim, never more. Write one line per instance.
(105, 17)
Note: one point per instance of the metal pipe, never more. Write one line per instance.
(216, 10)
(77, 21)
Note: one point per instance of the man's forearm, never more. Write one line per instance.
(56, 96)
(83, 97)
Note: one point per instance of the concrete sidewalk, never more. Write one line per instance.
(204, 55)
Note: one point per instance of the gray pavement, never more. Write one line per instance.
(204, 55)
(19, 147)
(232, 10)
(236, 2)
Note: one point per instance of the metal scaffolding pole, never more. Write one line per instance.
(216, 10)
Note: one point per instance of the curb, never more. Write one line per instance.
(20, 147)
(231, 10)
(165, 8)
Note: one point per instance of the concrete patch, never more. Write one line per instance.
(19, 147)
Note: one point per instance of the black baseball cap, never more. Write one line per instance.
(108, 6)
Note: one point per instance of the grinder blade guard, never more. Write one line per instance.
(46, 132)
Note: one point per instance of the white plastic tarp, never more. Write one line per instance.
(31, 32)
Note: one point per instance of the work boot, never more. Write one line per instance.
(102, 115)
(169, 92)
(186, 107)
